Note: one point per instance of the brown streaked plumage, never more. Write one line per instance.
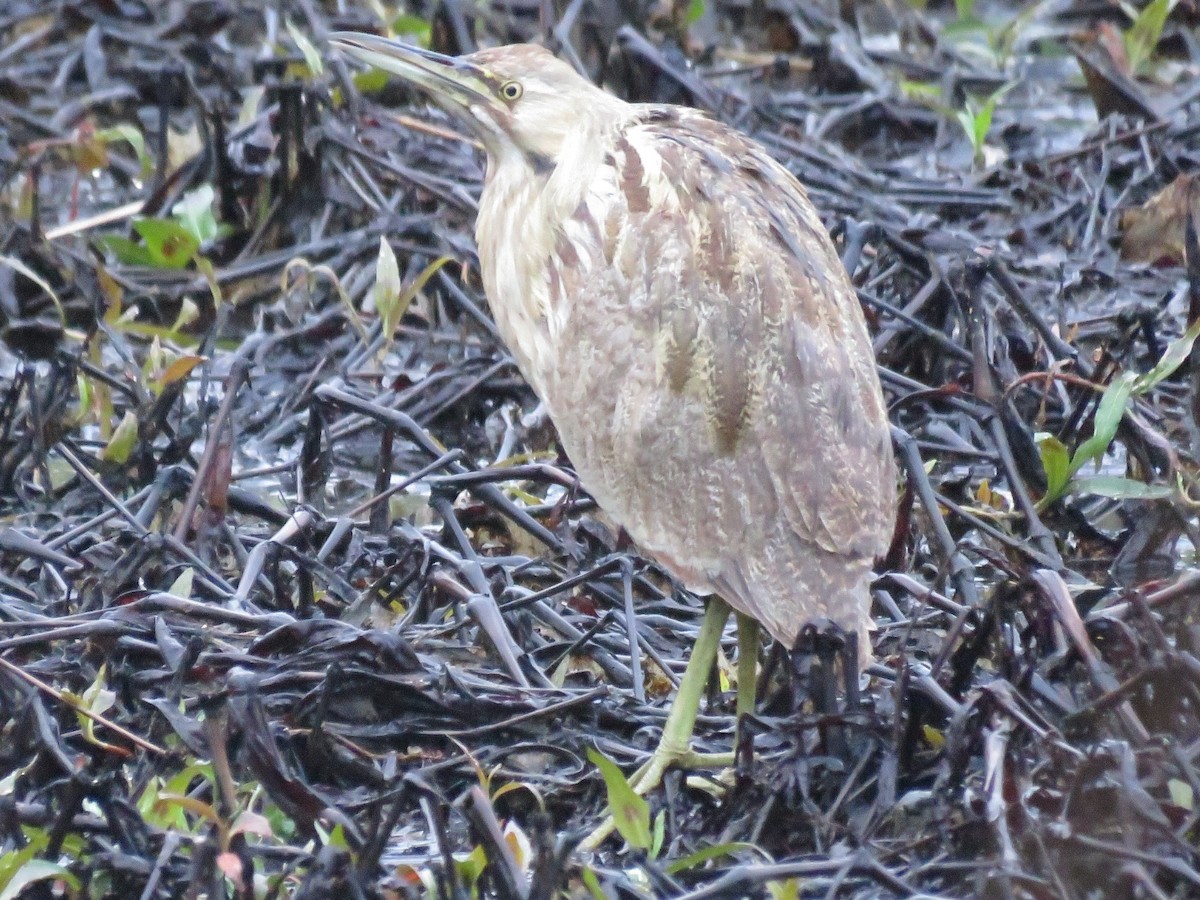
(672, 297)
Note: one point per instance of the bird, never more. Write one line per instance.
(669, 292)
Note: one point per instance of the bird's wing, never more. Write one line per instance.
(743, 372)
(768, 322)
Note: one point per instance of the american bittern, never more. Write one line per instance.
(673, 299)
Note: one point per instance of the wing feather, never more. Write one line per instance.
(739, 433)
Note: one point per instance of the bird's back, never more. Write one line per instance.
(706, 362)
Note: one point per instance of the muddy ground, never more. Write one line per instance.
(299, 599)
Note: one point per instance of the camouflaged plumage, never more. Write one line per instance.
(671, 295)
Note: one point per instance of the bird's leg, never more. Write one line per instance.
(819, 647)
(675, 745)
(747, 670)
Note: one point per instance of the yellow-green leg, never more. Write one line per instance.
(674, 748)
(747, 663)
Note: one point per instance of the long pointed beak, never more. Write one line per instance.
(447, 79)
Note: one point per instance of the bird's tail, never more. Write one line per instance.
(786, 594)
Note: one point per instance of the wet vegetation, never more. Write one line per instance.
(299, 598)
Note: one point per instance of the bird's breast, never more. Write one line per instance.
(528, 231)
(512, 248)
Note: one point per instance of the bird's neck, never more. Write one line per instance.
(557, 182)
(522, 212)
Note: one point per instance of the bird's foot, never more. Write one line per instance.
(650, 775)
(674, 748)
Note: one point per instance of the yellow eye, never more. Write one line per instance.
(511, 90)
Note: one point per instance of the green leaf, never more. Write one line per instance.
(421, 280)
(194, 212)
(181, 782)
(35, 870)
(416, 29)
(1173, 357)
(660, 834)
(983, 120)
(631, 814)
(312, 58)
(1116, 487)
(470, 866)
(127, 252)
(205, 266)
(131, 136)
(387, 288)
(189, 312)
(61, 473)
(370, 81)
(170, 245)
(121, 445)
(716, 851)
(965, 32)
(17, 265)
(966, 119)
(786, 889)
(1107, 419)
(182, 586)
(1181, 793)
(281, 824)
(96, 699)
(1056, 463)
(924, 91)
(592, 883)
(393, 306)
(976, 120)
(12, 861)
(179, 369)
(1143, 35)
(695, 11)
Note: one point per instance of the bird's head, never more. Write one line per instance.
(520, 100)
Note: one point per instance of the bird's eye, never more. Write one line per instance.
(511, 90)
